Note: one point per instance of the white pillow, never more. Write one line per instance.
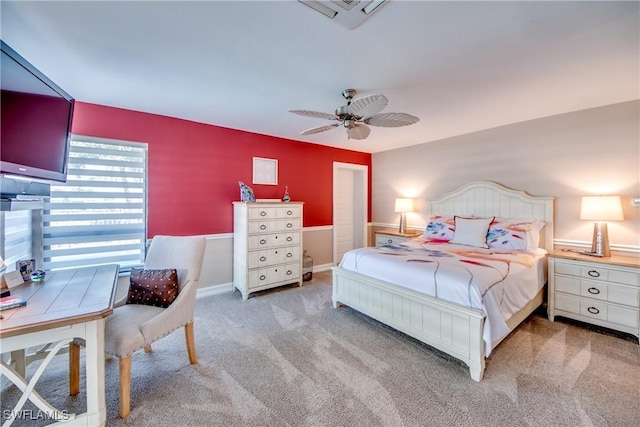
(471, 232)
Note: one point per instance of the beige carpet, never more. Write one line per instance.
(287, 358)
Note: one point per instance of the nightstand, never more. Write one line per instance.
(601, 291)
(389, 236)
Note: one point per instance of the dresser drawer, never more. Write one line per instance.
(269, 257)
(269, 276)
(290, 224)
(385, 239)
(595, 272)
(256, 227)
(567, 303)
(598, 310)
(569, 285)
(569, 269)
(593, 309)
(272, 226)
(288, 212)
(278, 212)
(273, 240)
(624, 295)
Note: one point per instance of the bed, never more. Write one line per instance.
(462, 329)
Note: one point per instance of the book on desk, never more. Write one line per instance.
(11, 302)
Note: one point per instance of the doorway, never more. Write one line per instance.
(350, 200)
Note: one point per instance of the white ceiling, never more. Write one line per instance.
(459, 66)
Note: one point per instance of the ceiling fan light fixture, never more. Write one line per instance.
(358, 114)
(372, 6)
(319, 7)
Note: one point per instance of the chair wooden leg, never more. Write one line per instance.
(191, 343)
(125, 386)
(74, 369)
(147, 348)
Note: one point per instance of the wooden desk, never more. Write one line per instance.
(68, 304)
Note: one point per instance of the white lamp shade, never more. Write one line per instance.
(601, 208)
(404, 205)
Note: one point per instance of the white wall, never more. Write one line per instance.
(595, 151)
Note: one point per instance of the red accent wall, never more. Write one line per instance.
(194, 168)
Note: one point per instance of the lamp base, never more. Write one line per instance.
(403, 223)
(600, 243)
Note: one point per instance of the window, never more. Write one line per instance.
(17, 236)
(99, 215)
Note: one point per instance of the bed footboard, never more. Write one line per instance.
(451, 328)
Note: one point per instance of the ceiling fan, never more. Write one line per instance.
(357, 114)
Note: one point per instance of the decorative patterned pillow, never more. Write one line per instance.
(514, 234)
(153, 287)
(471, 231)
(439, 228)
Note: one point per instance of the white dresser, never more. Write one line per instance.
(601, 291)
(267, 245)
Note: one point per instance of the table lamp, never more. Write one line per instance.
(601, 209)
(403, 205)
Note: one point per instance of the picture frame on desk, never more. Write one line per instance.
(26, 267)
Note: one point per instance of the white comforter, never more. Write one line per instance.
(498, 282)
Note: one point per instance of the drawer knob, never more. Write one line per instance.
(593, 273)
(263, 258)
(263, 241)
(593, 310)
(262, 277)
(289, 254)
(289, 212)
(263, 213)
(594, 291)
(289, 272)
(390, 241)
(263, 227)
(289, 239)
(289, 225)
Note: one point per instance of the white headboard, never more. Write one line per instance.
(485, 199)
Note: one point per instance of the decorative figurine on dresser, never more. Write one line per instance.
(267, 245)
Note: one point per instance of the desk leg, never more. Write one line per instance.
(96, 401)
(19, 358)
(28, 392)
(74, 369)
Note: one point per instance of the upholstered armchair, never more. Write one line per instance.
(133, 327)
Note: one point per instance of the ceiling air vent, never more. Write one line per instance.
(348, 13)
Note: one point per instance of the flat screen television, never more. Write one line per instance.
(35, 124)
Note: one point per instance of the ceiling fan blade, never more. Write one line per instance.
(317, 114)
(391, 120)
(367, 105)
(358, 131)
(319, 129)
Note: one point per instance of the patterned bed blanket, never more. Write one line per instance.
(499, 282)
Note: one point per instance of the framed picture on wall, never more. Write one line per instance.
(265, 171)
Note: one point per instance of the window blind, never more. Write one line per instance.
(99, 215)
(17, 237)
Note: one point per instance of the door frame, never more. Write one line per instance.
(361, 192)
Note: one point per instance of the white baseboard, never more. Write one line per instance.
(323, 267)
(214, 290)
